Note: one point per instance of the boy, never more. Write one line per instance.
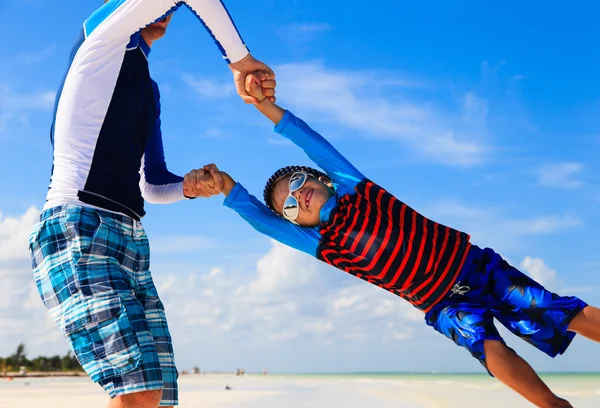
(347, 221)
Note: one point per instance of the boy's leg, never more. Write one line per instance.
(514, 372)
(587, 323)
(467, 316)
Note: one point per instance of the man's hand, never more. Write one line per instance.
(205, 182)
(247, 65)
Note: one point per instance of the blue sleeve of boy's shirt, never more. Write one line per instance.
(263, 220)
(337, 167)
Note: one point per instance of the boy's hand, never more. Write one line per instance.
(245, 66)
(205, 182)
(260, 86)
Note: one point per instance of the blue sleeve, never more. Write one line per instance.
(157, 184)
(264, 221)
(337, 167)
(155, 165)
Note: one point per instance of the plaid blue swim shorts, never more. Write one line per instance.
(488, 287)
(91, 270)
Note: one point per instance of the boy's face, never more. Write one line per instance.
(311, 198)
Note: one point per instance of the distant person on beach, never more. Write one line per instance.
(346, 220)
(89, 251)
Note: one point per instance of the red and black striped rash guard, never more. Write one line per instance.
(376, 237)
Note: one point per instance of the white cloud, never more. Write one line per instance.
(303, 32)
(177, 244)
(310, 28)
(280, 141)
(358, 100)
(541, 273)
(5, 119)
(30, 58)
(11, 101)
(216, 133)
(560, 175)
(492, 227)
(22, 314)
(15, 107)
(209, 88)
(286, 301)
(14, 235)
(545, 224)
(284, 269)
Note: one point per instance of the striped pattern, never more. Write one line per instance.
(91, 270)
(378, 238)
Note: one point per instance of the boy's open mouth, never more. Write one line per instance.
(308, 197)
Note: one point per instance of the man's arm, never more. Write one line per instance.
(118, 20)
(113, 24)
(157, 184)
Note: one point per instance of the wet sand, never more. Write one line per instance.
(290, 391)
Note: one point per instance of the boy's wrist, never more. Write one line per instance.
(263, 101)
(228, 183)
(270, 110)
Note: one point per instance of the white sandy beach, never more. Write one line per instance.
(292, 391)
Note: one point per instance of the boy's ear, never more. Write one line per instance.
(326, 180)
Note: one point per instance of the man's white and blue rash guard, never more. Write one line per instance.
(106, 135)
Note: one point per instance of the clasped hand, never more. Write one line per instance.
(204, 182)
(243, 68)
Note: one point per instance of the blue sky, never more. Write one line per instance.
(480, 116)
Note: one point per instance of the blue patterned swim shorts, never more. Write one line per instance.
(487, 288)
(91, 270)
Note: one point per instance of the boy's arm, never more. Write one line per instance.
(228, 184)
(314, 145)
(262, 219)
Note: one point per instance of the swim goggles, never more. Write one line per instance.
(291, 207)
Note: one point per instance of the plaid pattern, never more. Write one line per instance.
(91, 270)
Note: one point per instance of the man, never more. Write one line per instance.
(89, 251)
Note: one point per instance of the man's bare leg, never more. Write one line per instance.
(587, 323)
(144, 399)
(516, 373)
